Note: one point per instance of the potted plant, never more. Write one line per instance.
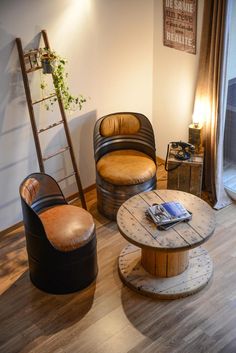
(47, 59)
(55, 64)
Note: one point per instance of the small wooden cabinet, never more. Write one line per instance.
(185, 175)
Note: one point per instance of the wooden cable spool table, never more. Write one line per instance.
(161, 263)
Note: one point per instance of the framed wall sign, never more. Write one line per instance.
(180, 24)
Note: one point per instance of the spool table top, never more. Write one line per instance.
(137, 229)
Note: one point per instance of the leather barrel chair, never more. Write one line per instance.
(124, 150)
(60, 238)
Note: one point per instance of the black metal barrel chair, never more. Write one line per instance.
(124, 150)
(60, 238)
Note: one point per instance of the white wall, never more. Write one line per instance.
(109, 45)
(174, 80)
(116, 57)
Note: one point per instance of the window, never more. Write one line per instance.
(230, 118)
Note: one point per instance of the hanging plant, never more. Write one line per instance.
(54, 64)
(47, 59)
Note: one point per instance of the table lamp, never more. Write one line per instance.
(195, 134)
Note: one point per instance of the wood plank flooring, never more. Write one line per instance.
(108, 317)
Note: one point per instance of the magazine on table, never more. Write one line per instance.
(168, 214)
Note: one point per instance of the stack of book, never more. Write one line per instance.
(168, 214)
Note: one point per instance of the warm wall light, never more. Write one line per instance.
(202, 111)
(195, 120)
(72, 19)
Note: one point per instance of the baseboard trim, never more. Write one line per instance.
(76, 195)
(11, 228)
(160, 160)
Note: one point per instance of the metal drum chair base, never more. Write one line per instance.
(111, 197)
(63, 273)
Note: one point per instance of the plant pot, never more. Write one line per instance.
(46, 66)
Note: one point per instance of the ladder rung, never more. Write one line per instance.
(66, 177)
(56, 153)
(33, 69)
(31, 52)
(50, 126)
(44, 99)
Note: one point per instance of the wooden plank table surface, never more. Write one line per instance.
(159, 263)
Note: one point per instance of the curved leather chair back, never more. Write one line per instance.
(123, 131)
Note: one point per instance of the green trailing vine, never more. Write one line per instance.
(56, 65)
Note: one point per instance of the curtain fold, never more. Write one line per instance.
(211, 79)
(222, 199)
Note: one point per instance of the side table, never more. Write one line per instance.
(185, 175)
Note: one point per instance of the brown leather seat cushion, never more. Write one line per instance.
(126, 167)
(67, 227)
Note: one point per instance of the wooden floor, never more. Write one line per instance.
(108, 317)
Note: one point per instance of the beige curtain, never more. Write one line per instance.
(208, 90)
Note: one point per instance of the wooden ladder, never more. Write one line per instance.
(29, 62)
